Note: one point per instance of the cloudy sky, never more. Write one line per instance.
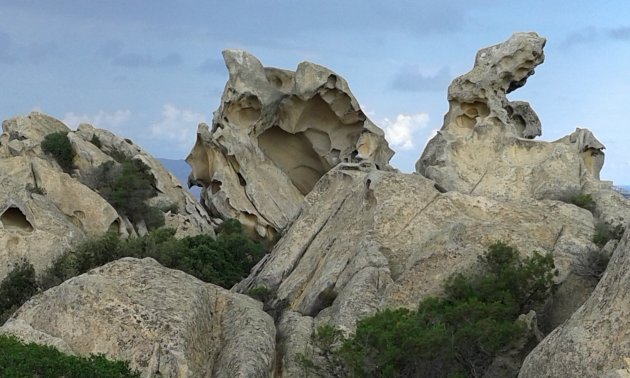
(152, 70)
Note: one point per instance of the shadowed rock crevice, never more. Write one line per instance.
(14, 219)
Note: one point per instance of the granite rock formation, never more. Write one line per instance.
(276, 133)
(368, 239)
(596, 339)
(163, 321)
(486, 146)
(45, 211)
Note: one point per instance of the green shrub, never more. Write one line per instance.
(96, 141)
(16, 288)
(35, 189)
(456, 335)
(260, 293)
(19, 359)
(58, 145)
(223, 261)
(584, 201)
(127, 186)
(605, 232)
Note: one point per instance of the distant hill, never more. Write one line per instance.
(181, 170)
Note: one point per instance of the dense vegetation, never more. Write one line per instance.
(58, 145)
(457, 335)
(16, 288)
(224, 260)
(18, 359)
(127, 186)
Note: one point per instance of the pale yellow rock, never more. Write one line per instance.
(486, 146)
(274, 135)
(596, 339)
(367, 239)
(163, 321)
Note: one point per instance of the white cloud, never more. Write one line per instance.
(177, 125)
(401, 131)
(101, 120)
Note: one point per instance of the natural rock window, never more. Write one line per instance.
(14, 219)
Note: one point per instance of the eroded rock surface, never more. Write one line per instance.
(367, 239)
(596, 339)
(45, 211)
(274, 135)
(163, 321)
(486, 144)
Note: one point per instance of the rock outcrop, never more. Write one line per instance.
(596, 339)
(274, 135)
(45, 211)
(486, 146)
(367, 239)
(163, 321)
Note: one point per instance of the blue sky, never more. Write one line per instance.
(151, 70)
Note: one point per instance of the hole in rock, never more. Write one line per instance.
(295, 156)
(244, 112)
(14, 219)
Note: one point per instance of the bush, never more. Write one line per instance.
(223, 261)
(260, 293)
(35, 189)
(58, 145)
(96, 141)
(584, 201)
(457, 335)
(19, 359)
(16, 288)
(592, 264)
(605, 232)
(127, 186)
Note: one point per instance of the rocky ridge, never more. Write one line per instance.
(291, 154)
(45, 211)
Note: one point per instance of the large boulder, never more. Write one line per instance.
(274, 135)
(486, 145)
(164, 322)
(596, 339)
(368, 239)
(44, 212)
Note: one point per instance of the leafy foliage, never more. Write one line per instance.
(58, 145)
(605, 232)
(584, 201)
(16, 288)
(457, 335)
(223, 261)
(127, 186)
(18, 359)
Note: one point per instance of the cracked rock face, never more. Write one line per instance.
(163, 321)
(276, 133)
(367, 239)
(486, 145)
(596, 339)
(45, 211)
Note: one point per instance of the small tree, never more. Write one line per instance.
(58, 145)
(457, 335)
(16, 288)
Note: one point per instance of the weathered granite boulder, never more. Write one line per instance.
(486, 146)
(163, 321)
(274, 135)
(44, 212)
(596, 339)
(368, 239)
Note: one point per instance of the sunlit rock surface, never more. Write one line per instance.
(276, 133)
